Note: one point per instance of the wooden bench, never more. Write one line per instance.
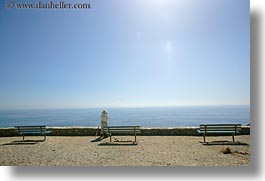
(32, 131)
(122, 130)
(219, 129)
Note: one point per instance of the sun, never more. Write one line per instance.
(160, 3)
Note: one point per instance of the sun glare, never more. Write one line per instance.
(161, 3)
(158, 6)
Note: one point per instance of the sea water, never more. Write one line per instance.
(142, 116)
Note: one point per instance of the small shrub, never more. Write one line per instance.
(226, 150)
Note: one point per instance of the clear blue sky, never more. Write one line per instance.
(126, 53)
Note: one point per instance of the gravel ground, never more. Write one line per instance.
(150, 151)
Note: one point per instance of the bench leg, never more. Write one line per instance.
(45, 137)
(233, 138)
(204, 140)
(23, 137)
(134, 136)
(110, 138)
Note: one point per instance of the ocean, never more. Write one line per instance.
(142, 116)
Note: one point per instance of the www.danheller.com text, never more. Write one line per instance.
(48, 5)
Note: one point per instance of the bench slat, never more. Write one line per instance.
(220, 129)
(124, 132)
(113, 129)
(220, 124)
(107, 128)
(123, 126)
(217, 131)
(34, 133)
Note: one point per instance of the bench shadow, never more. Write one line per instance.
(23, 142)
(236, 143)
(119, 143)
(98, 139)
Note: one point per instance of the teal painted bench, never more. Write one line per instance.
(122, 130)
(32, 131)
(219, 129)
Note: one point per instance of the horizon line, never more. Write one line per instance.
(110, 107)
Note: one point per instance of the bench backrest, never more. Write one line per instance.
(122, 129)
(220, 127)
(32, 129)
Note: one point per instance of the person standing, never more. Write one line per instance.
(104, 121)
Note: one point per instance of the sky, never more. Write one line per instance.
(125, 54)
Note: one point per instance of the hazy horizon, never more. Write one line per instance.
(121, 107)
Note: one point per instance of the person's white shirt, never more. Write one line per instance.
(104, 117)
(104, 120)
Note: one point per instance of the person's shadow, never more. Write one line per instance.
(99, 139)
